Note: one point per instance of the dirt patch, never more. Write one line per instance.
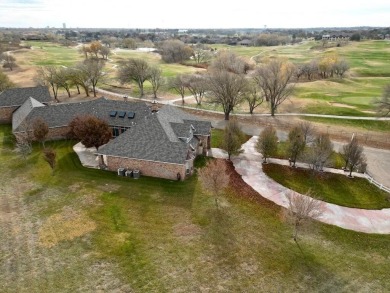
(186, 231)
(109, 187)
(67, 225)
(22, 76)
(342, 105)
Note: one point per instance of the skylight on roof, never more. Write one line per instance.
(113, 113)
(122, 114)
(130, 115)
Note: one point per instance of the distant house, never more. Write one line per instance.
(12, 99)
(161, 144)
(245, 42)
(336, 37)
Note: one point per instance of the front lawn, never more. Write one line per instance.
(84, 230)
(333, 188)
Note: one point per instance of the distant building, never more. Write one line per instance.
(336, 37)
(64, 25)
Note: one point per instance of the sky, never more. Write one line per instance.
(194, 14)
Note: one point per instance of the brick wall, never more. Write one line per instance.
(6, 114)
(147, 168)
(54, 133)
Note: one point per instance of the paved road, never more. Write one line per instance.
(249, 166)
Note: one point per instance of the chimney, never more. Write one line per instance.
(125, 98)
(154, 107)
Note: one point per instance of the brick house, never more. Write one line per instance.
(160, 144)
(164, 145)
(12, 99)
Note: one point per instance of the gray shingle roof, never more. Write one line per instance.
(169, 114)
(147, 141)
(157, 138)
(17, 96)
(58, 115)
(153, 137)
(23, 111)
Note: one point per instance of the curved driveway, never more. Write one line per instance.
(249, 166)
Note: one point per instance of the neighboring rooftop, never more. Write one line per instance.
(58, 115)
(17, 96)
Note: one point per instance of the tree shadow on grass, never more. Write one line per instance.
(220, 238)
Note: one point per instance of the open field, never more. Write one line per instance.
(332, 188)
(369, 70)
(352, 95)
(88, 230)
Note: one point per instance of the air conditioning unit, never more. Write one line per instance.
(129, 173)
(121, 171)
(136, 174)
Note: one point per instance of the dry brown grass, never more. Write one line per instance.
(67, 225)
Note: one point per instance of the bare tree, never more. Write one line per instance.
(64, 79)
(201, 53)
(137, 70)
(156, 79)
(383, 104)
(85, 50)
(267, 143)
(214, 179)
(9, 60)
(307, 131)
(93, 69)
(302, 208)
(48, 75)
(23, 147)
(50, 155)
(274, 80)
(129, 43)
(231, 62)
(352, 154)
(295, 144)
(40, 130)
(175, 51)
(105, 51)
(232, 138)
(79, 77)
(319, 153)
(5, 82)
(310, 69)
(341, 67)
(179, 84)
(254, 96)
(196, 84)
(24, 139)
(226, 89)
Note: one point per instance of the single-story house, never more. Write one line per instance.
(164, 145)
(12, 99)
(160, 143)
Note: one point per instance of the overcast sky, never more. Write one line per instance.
(194, 14)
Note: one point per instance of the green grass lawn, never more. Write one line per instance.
(369, 125)
(154, 235)
(332, 188)
(217, 138)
